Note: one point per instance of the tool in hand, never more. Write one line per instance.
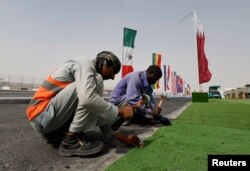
(162, 119)
(120, 121)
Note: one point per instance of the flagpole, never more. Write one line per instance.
(195, 31)
(122, 53)
(194, 24)
(185, 17)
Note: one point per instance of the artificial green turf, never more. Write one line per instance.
(216, 127)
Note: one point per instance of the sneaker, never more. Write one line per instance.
(77, 146)
(163, 120)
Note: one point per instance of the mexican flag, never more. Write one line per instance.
(127, 51)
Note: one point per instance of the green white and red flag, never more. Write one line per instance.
(127, 51)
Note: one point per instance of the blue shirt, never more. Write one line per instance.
(130, 88)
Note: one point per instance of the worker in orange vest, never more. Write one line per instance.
(70, 101)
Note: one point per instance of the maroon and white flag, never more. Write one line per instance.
(204, 73)
(168, 77)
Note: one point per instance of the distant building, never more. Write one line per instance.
(238, 93)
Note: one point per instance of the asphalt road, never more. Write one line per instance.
(21, 148)
(15, 93)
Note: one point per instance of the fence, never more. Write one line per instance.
(14, 82)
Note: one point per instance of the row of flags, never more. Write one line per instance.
(178, 85)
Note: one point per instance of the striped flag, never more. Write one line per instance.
(165, 77)
(168, 77)
(177, 83)
(188, 89)
(127, 51)
(181, 85)
(156, 60)
(173, 81)
(204, 73)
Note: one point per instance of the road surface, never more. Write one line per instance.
(21, 148)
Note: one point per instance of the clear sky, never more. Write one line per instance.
(38, 35)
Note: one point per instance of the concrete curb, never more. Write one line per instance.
(20, 100)
(112, 156)
(176, 113)
(15, 100)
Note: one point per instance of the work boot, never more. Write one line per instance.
(54, 138)
(75, 145)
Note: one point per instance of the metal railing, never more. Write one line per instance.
(13, 82)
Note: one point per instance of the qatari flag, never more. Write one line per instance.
(204, 72)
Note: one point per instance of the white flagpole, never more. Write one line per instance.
(122, 50)
(185, 17)
(195, 20)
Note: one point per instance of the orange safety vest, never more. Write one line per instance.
(49, 88)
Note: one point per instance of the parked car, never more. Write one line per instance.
(213, 92)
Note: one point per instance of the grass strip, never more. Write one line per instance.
(216, 127)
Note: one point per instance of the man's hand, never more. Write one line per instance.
(156, 111)
(130, 140)
(126, 112)
(139, 104)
